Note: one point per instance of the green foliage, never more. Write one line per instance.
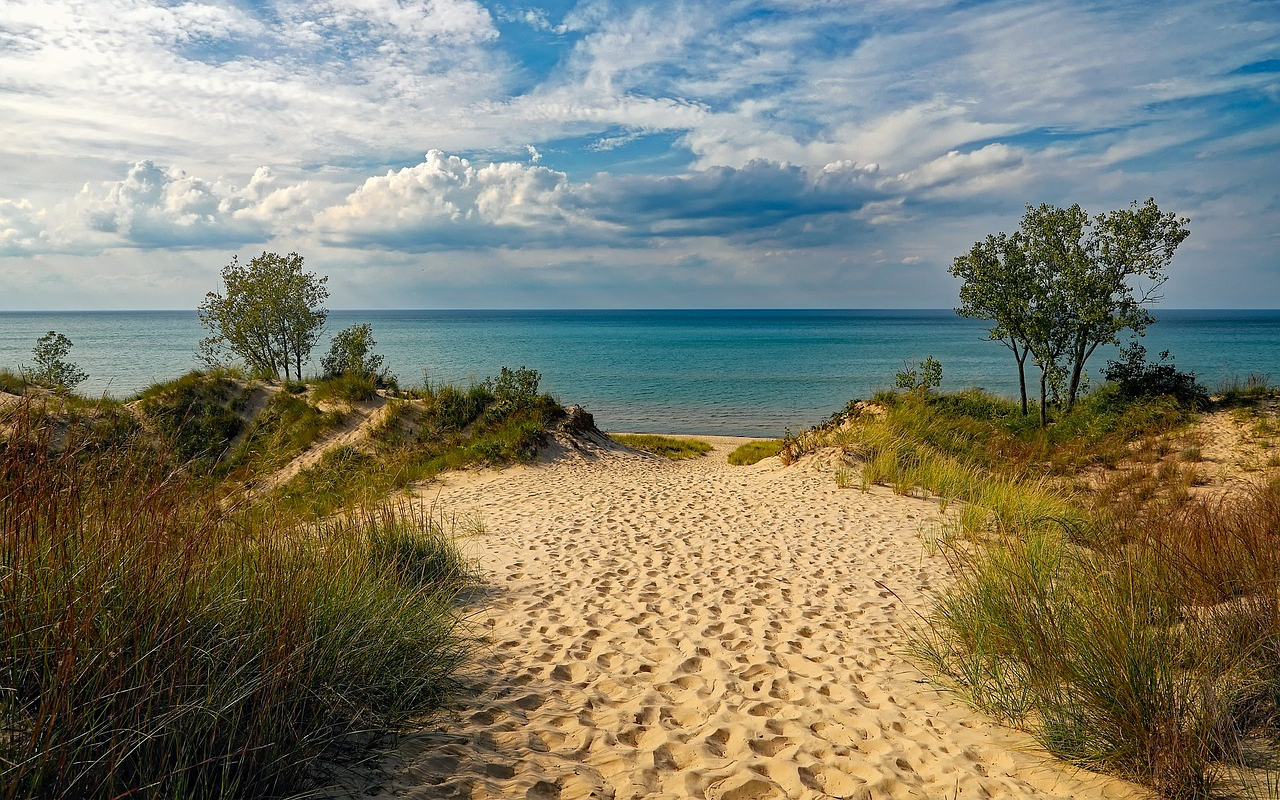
(497, 421)
(50, 369)
(920, 377)
(198, 414)
(1065, 284)
(513, 389)
(350, 354)
(13, 382)
(351, 387)
(753, 452)
(665, 446)
(1135, 377)
(159, 644)
(270, 316)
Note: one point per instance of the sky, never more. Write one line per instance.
(620, 154)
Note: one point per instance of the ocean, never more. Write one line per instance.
(728, 372)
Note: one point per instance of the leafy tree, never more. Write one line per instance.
(349, 354)
(50, 368)
(1096, 265)
(1066, 283)
(270, 316)
(998, 285)
(920, 377)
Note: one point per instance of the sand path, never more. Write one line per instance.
(688, 629)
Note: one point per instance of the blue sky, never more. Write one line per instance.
(722, 153)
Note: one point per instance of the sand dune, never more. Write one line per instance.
(688, 629)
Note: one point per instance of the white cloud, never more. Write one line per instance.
(157, 207)
(447, 199)
(22, 228)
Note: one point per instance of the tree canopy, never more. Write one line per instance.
(349, 354)
(50, 369)
(1066, 283)
(270, 316)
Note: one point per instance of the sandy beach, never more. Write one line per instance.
(659, 629)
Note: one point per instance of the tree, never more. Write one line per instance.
(50, 369)
(919, 377)
(349, 354)
(270, 316)
(998, 285)
(1065, 283)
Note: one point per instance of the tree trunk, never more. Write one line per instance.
(1044, 379)
(1022, 376)
(1077, 366)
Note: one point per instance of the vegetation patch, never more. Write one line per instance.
(752, 452)
(665, 446)
(1130, 625)
(159, 644)
(198, 414)
(502, 420)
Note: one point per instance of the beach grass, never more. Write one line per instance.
(664, 446)
(753, 452)
(434, 428)
(159, 644)
(1128, 625)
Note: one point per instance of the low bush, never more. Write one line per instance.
(1136, 377)
(198, 414)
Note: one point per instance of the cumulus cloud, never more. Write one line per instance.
(447, 200)
(993, 166)
(22, 228)
(158, 207)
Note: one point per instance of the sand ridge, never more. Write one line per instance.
(692, 629)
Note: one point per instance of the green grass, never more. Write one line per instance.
(441, 427)
(664, 446)
(158, 644)
(350, 388)
(753, 452)
(1133, 628)
(198, 414)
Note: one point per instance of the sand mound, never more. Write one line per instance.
(691, 629)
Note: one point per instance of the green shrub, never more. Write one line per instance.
(1135, 377)
(50, 369)
(752, 452)
(350, 354)
(198, 414)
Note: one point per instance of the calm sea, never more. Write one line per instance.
(712, 372)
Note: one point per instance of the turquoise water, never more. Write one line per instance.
(713, 372)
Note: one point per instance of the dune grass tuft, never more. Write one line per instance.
(753, 452)
(665, 446)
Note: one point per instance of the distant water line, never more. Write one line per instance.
(735, 372)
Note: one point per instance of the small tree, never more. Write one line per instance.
(349, 354)
(1065, 283)
(270, 316)
(998, 285)
(920, 377)
(50, 369)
